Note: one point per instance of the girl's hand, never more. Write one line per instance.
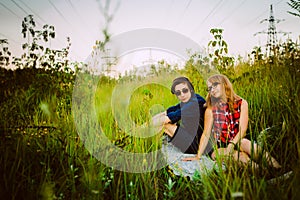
(226, 151)
(229, 149)
(191, 158)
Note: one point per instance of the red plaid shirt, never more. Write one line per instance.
(226, 124)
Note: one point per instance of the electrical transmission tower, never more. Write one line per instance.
(272, 43)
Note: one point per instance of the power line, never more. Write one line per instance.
(213, 10)
(15, 14)
(4, 35)
(184, 11)
(60, 14)
(33, 12)
(19, 6)
(207, 16)
(231, 12)
(7, 8)
(260, 15)
(76, 12)
(186, 7)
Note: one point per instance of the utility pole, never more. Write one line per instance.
(272, 35)
(272, 43)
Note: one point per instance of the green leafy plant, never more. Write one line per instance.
(219, 55)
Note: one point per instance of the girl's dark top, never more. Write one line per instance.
(189, 131)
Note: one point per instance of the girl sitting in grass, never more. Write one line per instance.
(226, 117)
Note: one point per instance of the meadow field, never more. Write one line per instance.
(43, 155)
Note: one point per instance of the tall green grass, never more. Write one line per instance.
(43, 157)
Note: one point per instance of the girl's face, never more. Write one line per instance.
(215, 89)
(183, 92)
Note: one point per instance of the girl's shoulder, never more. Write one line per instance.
(238, 103)
(239, 100)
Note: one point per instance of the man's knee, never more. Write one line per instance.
(170, 129)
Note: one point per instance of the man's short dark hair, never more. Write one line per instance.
(180, 80)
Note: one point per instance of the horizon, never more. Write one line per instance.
(83, 21)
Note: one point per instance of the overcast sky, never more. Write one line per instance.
(83, 20)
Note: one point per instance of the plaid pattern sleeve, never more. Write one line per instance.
(226, 124)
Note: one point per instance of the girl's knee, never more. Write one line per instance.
(247, 146)
(242, 157)
(245, 142)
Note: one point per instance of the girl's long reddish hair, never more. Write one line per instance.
(230, 95)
